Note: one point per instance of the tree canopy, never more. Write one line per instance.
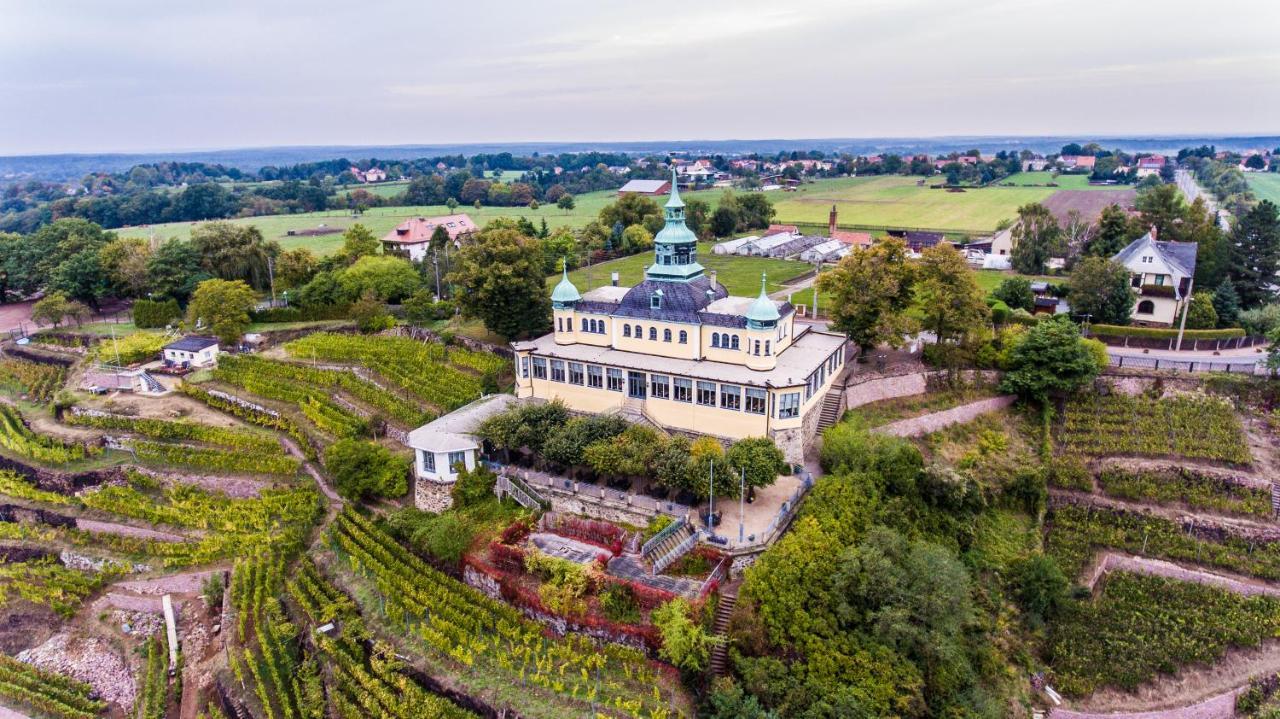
(871, 291)
(500, 280)
(1101, 288)
(223, 307)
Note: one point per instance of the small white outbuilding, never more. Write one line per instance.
(446, 443)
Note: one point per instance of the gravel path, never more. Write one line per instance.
(1237, 525)
(184, 583)
(293, 449)
(7, 713)
(1222, 706)
(1118, 562)
(124, 530)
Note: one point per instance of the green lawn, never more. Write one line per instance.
(740, 275)
(1063, 182)
(898, 202)
(1266, 185)
(381, 220)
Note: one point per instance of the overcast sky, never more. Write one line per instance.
(134, 75)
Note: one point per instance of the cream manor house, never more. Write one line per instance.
(678, 351)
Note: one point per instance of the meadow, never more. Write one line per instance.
(896, 201)
(380, 221)
(862, 202)
(1266, 185)
(1063, 182)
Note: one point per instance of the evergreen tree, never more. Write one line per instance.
(1200, 312)
(1226, 302)
(1112, 235)
(1255, 257)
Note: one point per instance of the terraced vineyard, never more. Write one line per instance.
(1141, 626)
(443, 377)
(315, 403)
(482, 640)
(364, 683)
(1188, 487)
(47, 582)
(18, 438)
(237, 439)
(50, 694)
(1077, 532)
(39, 381)
(1191, 427)
(394, 406)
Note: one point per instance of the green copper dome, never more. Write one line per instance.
(763, 312)
(565, 293)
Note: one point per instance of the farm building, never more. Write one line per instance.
(920, 241)
(1161, 273)
(446, 443)
(730, 247)
(779, 229)
(678, 351)
(764, 246)
(191, 351)
(645, 187)
(795, 246)
(412, 237)
(828, 251)
(853, 239)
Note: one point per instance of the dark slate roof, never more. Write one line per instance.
(920, 240)
(1180, 255)
(681, 301)
(717, 319)
(192, 343)
(596, 307)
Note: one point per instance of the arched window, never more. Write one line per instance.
(767, 351)
(559, 324)
(666, 335)
(653, 334)
(635, 330)
(684, 337)
(735, 342)
(584, 324)
(1146, 307)
(715, 339)
(757, 347)
(626, 330)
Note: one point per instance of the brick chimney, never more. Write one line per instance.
(831, 223)
(713, 279)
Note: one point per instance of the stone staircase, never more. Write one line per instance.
(720, 653)
(1275, 498)
(151, 383)
(670, 546)
(832, 408)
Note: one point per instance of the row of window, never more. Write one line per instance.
(753, 400)
(638, 332)
(819, 376)
(455, 459)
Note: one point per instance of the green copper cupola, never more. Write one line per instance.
(675, 248)
(565, 295)
(763, 313)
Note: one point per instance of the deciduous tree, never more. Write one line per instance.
(1016, 293)
(358, 242)
(361, 469)
(223, 308)
(234, 252)
(1050, 360)
(1101, 288)
(871, 291)
(1036, 238)
(390, 278)
(948, 294)
(500, 280)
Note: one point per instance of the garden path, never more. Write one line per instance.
(293, 449)
(7, 713)
(1222, 706)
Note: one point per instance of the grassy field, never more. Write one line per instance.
(1266, 185)
(1063, 182)
(866, 201)
(740, 275)
(380, 220)
(898, 202)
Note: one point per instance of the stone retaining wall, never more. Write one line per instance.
(928, 423)
(1116, 562)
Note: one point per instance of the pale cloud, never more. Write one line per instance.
(79, 75)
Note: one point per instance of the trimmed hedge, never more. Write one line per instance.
(1164, 333)
(148, 314)
(306, 314)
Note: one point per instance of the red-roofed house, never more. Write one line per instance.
(1150, 165)
(411, 237)
(860, 240)
(1079, 162)
(779, 229)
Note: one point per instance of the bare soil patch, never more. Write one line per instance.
(171, 407)
(125, 530)
(1089, 203)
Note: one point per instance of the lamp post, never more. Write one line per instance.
(742, 506)
(711, 503)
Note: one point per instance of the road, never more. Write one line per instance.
(1192, 190)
